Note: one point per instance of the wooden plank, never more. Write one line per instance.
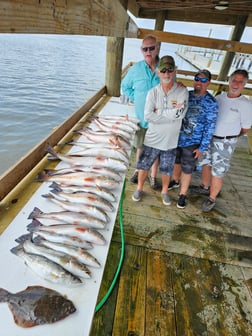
(75, 17)
(187, 297)
(104, 317)
(225, 298)
(14, 175)
(160, 319)
(130, 307)
(197, 41)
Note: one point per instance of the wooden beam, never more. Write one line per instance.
(76, 17)
(197, 41)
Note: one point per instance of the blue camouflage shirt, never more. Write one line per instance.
(136, 84)
(199, 122)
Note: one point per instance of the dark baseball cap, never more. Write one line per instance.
(205, 73)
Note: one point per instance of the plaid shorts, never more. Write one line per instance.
(149, 155)
(218, 156)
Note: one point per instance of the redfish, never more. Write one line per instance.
(88, 234)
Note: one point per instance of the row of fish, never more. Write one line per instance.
(83, 192)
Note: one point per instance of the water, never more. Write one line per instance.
(45, 78)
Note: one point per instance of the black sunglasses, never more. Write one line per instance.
(202, 80)
(171, 69)
(145, 49)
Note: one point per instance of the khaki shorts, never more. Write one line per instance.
(139, 137)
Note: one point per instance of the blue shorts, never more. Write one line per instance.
(149, 155)
(185, 157)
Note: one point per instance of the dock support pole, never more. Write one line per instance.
(114, 65)
(228, 59)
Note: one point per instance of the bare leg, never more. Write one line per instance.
(176, 172)
(142, 175)
(154, 168)
(215, 188)
(185, 180)
(165, 183)
(206, 176)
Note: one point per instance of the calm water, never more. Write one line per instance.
(44, 79)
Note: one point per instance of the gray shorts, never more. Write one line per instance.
(218, 156)
(185, 157)
(139, 137)
(149, 155)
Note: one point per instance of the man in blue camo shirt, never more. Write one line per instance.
(196, 133)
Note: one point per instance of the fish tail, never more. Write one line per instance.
(32, 227)
(55, 186)
(41, 177)
(4, 295)
(51, 151)
(24, 237)
(47, 196)
(35, 213)
(70, 142)
(15, 250)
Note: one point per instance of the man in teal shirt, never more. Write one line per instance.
(141, 77)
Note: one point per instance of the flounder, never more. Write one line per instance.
(37, 305)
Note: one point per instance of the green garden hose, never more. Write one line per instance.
(106, 296)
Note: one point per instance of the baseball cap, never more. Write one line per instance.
(205, 73)
(165, 62)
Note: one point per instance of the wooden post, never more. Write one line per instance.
(228, 59)
(114, 65)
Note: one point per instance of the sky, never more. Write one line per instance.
(191, 28)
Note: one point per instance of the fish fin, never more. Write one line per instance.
(35, 213)
(24, 237)
(33, 225)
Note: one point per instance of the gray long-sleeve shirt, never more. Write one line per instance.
(164, 117)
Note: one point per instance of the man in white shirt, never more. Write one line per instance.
(234, 118)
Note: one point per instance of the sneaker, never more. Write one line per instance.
(134, 178)
(137, 196)
(208, 205)
(166, 199)
(181, 202)
(153, 182)
(201, 190)
(173, 185)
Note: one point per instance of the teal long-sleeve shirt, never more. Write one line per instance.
(136, 84)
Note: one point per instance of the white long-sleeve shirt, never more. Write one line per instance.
(164, 117)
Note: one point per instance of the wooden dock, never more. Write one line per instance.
(184, 272)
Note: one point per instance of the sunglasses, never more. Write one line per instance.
(145, 49)
(171, 69)
(202, 80)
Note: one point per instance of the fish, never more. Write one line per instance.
(133, 124)
(84, 198)
(124, 118)
(99, 191)
(101, 171)
(90, 145)
(97, 161)
(102, 137)
(46, 269)
(37, 305)
(80, 254)
(79, 179)
(69, 217)
(91, 235)
(67, 261)
(115, 125)
(56, 238)
(114, 129)
(103, 152)
(83, 208)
